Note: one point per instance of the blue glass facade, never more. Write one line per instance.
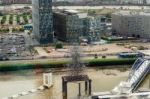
(42, 20)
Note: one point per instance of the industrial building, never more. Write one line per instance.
(135, 24)
(42, 20)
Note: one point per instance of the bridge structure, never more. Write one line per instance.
(137, 74)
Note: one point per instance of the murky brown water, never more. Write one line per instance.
(15, 82)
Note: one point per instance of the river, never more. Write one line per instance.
(15, 82)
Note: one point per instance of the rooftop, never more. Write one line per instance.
(72, 12)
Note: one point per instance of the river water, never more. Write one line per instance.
(102, 80)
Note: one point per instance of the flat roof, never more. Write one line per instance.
(71, 12)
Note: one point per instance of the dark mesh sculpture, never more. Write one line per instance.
(76, 66)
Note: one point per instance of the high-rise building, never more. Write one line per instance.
(42, 20)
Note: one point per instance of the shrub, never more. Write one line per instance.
(108, 15)
(21, 29)
(30, 16)
(103, 56)
(95, 56)
(25, 19)
(3, 20)
(141, 48)
(18, 19)
(58, 45)
(13, 29)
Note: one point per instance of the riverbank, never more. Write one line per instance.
(47, 63)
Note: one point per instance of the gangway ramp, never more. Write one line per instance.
(136, 76)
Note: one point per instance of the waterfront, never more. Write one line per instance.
(16, 82)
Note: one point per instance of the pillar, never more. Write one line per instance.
(86, 87)
(64, 88)
(79, 89)
(90, 88)
(63, 85)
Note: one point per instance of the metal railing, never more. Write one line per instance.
(139, 74)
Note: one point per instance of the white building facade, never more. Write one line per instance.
(135, 24)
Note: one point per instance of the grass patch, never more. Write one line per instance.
(33, 64)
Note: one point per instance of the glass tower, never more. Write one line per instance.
(42, 20)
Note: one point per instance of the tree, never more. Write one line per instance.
(3, 20)
(13, 29)
(25, 19)
(21, 29)
(11, 19)
(18, 19)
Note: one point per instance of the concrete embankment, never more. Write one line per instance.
(47, 63)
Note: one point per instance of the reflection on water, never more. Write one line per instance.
(102, 80)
